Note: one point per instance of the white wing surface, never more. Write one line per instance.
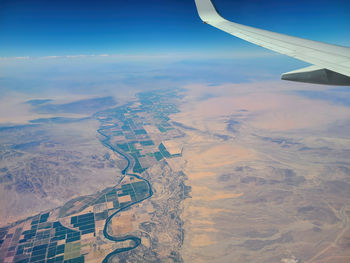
(331, 63)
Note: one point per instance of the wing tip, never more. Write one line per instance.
(207, 11)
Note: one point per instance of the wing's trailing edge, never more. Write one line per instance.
(331, 63)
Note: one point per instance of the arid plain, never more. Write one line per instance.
(269, 171)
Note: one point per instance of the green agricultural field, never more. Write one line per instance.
(126, 128)
(137, 167)
(140, 131)
(101, 216)
(100, 200)
(141, 189)
(124, 147)
(111, 196)
(130, 136)
(158, 156)
(72, 250)
(116, 204)
(146, 143)
(130, 122)
(161, 129)
(164, 151)
(132, 147)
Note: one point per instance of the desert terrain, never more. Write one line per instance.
(255, 172)
(269, 171)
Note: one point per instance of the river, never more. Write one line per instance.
(136, 240)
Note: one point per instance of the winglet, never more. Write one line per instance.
(208, 12)
(317, 75)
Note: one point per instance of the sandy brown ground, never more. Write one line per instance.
(269, 173)
(69, 161)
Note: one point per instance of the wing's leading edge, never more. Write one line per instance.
(331, 62)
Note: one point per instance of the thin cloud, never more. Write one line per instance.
(15, 58)
(148, 56)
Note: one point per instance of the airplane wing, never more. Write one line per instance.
(330, 63)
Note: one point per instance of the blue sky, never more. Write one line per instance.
(50, 47)
(48, 28)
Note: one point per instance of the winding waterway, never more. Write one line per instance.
(136, 240)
